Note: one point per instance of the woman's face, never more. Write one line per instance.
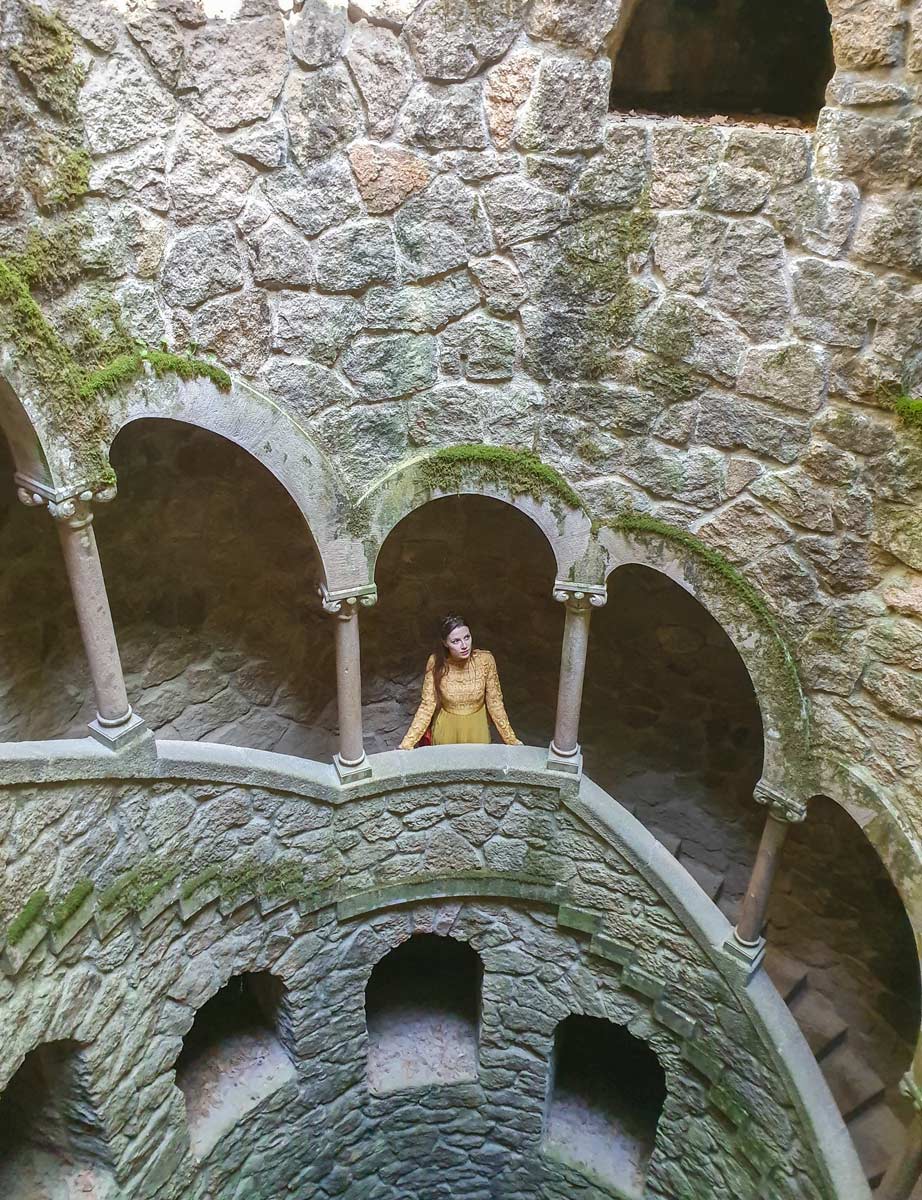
(458, 643)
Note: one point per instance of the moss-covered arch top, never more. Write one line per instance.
(514, 477)
(748, 621)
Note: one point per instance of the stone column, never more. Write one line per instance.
(906, 1169)
(115, 724)
(350, 761)
(580, 599)
(748, 943)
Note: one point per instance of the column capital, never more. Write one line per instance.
(68, 505)
(912, 1091)
(345, 602)
(782, 808)
(580, 595)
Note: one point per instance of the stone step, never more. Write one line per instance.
(787, 974)
(854, 1085)
(711, 882)
(878, 1136)
(672, 843)
(819, 1022)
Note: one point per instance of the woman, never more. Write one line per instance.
(463, 685)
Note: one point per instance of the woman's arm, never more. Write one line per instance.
(495, 706)
(424, 712)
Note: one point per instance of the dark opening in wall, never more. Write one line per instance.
(422, 1013)
(49, 1130)
(731, 57)
(607, 1093)
(234, 1056)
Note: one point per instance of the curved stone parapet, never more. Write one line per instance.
(137, 885)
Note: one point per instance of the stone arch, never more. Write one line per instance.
(22, 432)
(726, 596)
(270, 435)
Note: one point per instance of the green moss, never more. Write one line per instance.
(133, 891)
(779, 659)
(254, 877)
(70, 180)
(33, 909)
(909, 411)
(51, 260)
(522, 472)
(589, 451)
(671, 380)
(70, 904)
(45, 58)
(197, 882)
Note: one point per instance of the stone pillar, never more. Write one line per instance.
(350, 760)
(747, 941)
(115, 724)
(906, 1169)
(580, 599)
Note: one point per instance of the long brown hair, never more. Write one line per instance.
(446, 626)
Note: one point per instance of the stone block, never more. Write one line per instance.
(383, 71)
(793, 375)
(686, 247)
(638, 980)
(318, 327)
(583, 24)
(890, 233)
(612, 950)
(577, 918)
(65, 933)
(280, 257)
(521, 211)
(353, 255)
(781, 154)
(120, 106)
(673, 1018)
(567, 105)
(818, 214)
(731, 423)
(317, 32)
(322, 112)
(500, 285)
(206, 182)
(420, 308)
(683, 158)
(681, 329)
(445, 118)
(479, 348)
(870, 151)
(506, 89)
(387, 367)
(832, 302)
(314, 199)
(16, 956)
(202, 263)
(452, 39)
(749, 281)
(233, 71)
(264, 144)
(868, 35)
(387, 176)
(735, 189)
(615, 178)
(192, 904)
(441, 228)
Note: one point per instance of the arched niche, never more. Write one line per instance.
(487, 561)
(671, 726)
(212, 578)
(566, 527)
(735, 58)
(28, 453)
(748, 623)
(44, 682)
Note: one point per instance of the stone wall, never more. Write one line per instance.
(582, 928)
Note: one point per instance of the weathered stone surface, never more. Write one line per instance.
(686, 247)
(451, 39)
(120, 105)
(858, 91)
(316, 198)
(694, 477)
(441, 228)
(867, 35)
(793, 375)
(781, 154)
(205, 181)
(903, 594)
(447, 414)
(500, 285)
(201, 263)
(317, 32)
(898, 531)
(844, 564)
(744, 531)
(96, 25)
(506, 89)
(567, 105)
(749, 280)
(234, 70)
(890, 232)
(520, 211)
(387, 176)
(386, 12)
(280, 256)
(445, 118)
(362, 437)
(611, 408)
(832, 303)
(796, 596)
(161, 38)
(731, 423)
(306, 388)
(352, 256)
(317, 327)
(425, 307)
(583, 24)
(868, 150)
(896, 641)
(264, 144)
(683, 158)
(796, 497)
(138, 174)
(681, 329)
(388, 367)
(900, 692)
(616, 177)
(143, 310)
(235, 329)
(383, 72)
(480, 348)
(735, 189)
(818, 214)
(322, 112)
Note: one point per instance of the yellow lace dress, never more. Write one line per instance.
(470, 691)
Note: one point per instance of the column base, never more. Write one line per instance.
(120, 737)
(349, 772)
(567, 764)
(746, 957)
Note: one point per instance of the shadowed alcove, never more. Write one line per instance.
(51, 1141)
(212, 578)
(490, 563)
(607, 1092)
(731, 57)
